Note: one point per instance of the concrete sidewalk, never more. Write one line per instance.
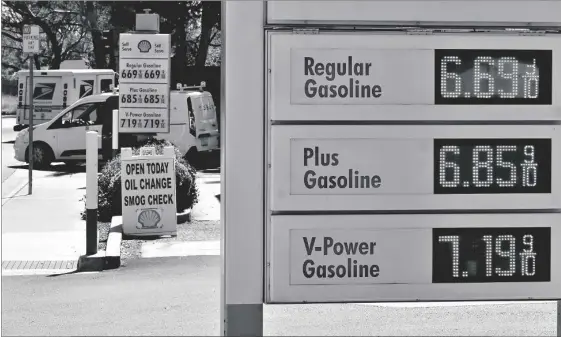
(208, 207)
(43, 230)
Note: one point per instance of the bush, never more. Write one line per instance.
(109, 182)
(9, 105)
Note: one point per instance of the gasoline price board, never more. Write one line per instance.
(411, 167)
(144, 80)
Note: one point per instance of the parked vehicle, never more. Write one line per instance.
(55, 90)
(193, 127)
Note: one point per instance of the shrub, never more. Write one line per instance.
(9, 105)
(109, 182)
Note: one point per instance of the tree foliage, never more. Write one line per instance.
(69, 30)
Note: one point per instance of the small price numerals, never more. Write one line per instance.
(146, 74)
(144, 123)
(143, 98)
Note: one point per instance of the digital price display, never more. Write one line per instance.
(471, 166)
(470, 76)
(480, 255)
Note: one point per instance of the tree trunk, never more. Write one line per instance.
(208, 20)
(91, 17)
(36, 61)
(178, 66)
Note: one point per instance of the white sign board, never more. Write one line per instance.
(148, 192)
(436, 257)
(413, 12)
(397, 76)
(415, 167)
(31, 39)
(144, 94)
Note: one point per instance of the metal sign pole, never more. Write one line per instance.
(243, 160)
(30, 152)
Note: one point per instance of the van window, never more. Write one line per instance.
(105, 85)
(80, 114)
(86, 88)
(192, 122)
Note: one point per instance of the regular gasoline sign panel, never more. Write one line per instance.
(415, 167)
(370, 258)
(435, 77)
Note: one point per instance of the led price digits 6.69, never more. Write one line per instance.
(140, 74)
(485, 76)
(143, 98)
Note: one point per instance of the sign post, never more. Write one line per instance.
(31, 39)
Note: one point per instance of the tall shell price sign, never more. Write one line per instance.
(148, 192)
(144, 82)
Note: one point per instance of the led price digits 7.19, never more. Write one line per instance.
(142, 98)
(146, 123)
(503, 246)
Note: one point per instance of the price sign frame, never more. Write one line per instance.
(410, 258)
(396, 155)
(391, 13)
(404, 95)
(145, 52)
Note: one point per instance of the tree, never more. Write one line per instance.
(64, 34)
(210, 25)
(71, 29)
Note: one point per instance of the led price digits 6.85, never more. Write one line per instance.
(143, 98)
(484, 161)
(492, 166)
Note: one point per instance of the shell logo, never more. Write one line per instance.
(149, 218)
(144, 46)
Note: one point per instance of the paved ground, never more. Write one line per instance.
(41, 232)
(180, 296)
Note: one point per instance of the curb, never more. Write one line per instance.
(113, 250)
(110, 258)
(91, 262)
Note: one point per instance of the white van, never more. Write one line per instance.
(193, 128)
(55, 90)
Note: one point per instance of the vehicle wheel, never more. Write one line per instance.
(192, 157)
(71, 163)
(42, 156)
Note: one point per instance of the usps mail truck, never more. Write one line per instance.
(55, 90)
